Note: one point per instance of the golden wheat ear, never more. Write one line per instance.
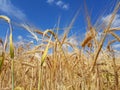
(11, 46)
(47, 47)
(41, 33)
(7, 19)
(105, 32)
(2, 55)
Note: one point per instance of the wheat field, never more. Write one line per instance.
(32, 67)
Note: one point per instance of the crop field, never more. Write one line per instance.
(93, 64)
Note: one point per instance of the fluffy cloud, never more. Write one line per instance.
(116, 21)
(50, 1)
(59, 3)
(116, 46)
(73, 40)
(8, 8)
(20, 37)
(66, 6)
(62, 5)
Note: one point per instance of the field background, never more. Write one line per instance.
(59, 61)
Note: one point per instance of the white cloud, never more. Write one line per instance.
(59, 3)
(50, 1)
(20, 37)
(116, 21)
(116, 46)
(62, 5)
(65, 6)
(8, 8)
(73, 41)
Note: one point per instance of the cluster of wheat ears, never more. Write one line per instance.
(32, 68)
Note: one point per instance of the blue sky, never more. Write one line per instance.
(44, 14)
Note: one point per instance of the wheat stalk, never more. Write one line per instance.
(115, 35)
(105, 35)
